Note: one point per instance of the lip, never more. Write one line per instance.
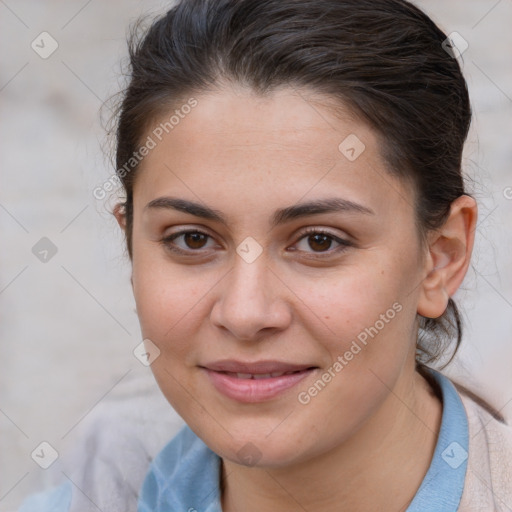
(222, 374)
(264, 366)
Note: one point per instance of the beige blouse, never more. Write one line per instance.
(488, 484)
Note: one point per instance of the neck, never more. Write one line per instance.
(384, 462)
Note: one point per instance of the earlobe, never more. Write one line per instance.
(448, 259)
(119, 214)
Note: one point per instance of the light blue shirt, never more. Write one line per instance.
(185, 475)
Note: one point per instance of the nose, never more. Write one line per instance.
(251, 301)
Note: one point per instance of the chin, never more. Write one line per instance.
(258, 449)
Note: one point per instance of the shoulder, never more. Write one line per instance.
(185, 472)
(488, 484)
(110, 451)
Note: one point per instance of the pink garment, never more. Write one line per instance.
(488, 484)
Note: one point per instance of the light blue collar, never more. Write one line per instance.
(442, 487)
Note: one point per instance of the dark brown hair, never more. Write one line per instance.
(383, 59)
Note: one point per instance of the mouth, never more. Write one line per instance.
(255, 382)
(257, 376)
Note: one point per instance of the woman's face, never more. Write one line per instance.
(327, 292)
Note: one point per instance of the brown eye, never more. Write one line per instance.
(192, 241)
(315, 241)
(319, 242)
(195, 240)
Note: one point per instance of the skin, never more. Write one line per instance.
(366, 440)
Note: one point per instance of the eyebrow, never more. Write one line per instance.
(280, 216)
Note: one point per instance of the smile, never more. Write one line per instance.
(251, 385)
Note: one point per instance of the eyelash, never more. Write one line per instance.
(344, 244)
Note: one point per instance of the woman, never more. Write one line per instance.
(297, 223)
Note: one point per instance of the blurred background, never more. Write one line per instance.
(68, 326)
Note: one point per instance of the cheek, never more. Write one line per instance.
(351, 300)
(169, 307)
(370, 328)
(170, 301)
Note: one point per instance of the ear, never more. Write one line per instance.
(449, 255)
(119, 214)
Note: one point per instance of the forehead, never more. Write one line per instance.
(242, 149)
